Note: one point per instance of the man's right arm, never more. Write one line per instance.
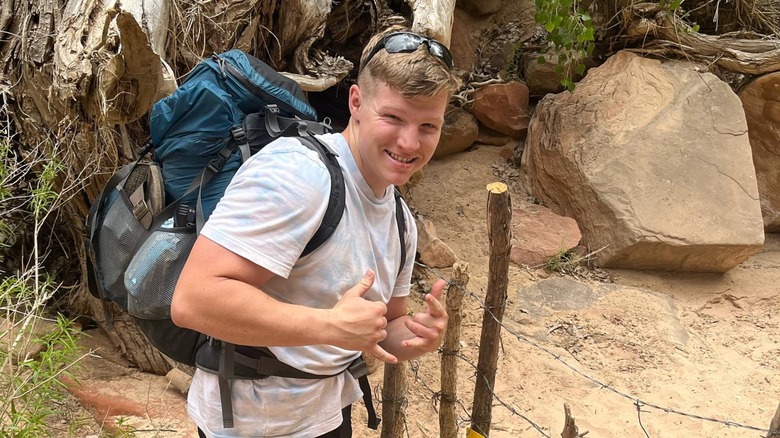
(219, 293)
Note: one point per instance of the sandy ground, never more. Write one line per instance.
(703, 345)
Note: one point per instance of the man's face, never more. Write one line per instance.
(396, 136)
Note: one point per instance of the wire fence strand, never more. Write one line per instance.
(636, 401)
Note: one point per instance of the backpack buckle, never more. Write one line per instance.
(358, 368)
(218, 162)
(239, 135)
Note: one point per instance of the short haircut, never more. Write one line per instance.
(412, 74)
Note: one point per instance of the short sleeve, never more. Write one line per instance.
(273, 206)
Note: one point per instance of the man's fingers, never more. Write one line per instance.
(438, 289)
(363, 285)
(381, 354)
(421, 331)
(433, 299)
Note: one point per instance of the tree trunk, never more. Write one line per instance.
(79, 77)
(665, 34)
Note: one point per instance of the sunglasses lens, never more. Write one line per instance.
(405, 42)
(402, 43)
(440, 52)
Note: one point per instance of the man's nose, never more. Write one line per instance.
(409, 138)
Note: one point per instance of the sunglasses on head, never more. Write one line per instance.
(407, 42)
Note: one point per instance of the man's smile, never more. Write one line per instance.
(401, 159)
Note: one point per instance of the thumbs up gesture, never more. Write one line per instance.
(361, 324)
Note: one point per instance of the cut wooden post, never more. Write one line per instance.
(774, 426)
(499, 217)
(393, 400)
(570, 429)
(448, 417)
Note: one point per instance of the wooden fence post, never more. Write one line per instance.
(775, 425)
(448, 417)
(499, 218)
(570, 429)
(393, 400)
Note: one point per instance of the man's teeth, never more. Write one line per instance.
(401, 159)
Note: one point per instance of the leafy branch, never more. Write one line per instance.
(570, 35)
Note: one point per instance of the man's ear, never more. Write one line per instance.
(354, 101)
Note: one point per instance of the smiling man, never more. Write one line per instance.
(246, 283)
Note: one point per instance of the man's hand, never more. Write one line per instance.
(361, 323)
(429, 326)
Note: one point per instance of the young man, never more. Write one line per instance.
(244, 282)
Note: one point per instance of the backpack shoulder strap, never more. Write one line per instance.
(337, 200)
(400, 217)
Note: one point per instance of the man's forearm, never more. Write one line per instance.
(245, 315)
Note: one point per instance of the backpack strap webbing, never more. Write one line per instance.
(365, 386)
(400, 219)
(224, 377)
(231, 362)
(338, 194)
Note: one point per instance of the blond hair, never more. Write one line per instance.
(412, 74)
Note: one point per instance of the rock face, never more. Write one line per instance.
(539, 234)
(433, 251)
(761, 101)
(459, 132)
(479, 7)
(653, 161)
(503, 108)
(542, 78)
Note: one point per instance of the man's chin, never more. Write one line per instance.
(399, 180)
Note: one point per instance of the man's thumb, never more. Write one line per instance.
(364, 284)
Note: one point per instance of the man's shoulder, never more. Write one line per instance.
(286, 153)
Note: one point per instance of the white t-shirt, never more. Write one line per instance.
(271, 209)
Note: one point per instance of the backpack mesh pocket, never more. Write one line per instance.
(152, 274)
(118, 237)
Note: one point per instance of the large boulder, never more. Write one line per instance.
(653, 161)
(459, 132)
(539, 234)
(503, 108)
(761, 101)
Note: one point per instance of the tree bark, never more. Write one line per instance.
(78, 77)
(743, 52)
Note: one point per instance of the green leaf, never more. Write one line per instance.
(580, 69)
(695, 28)
(541, 60)
(549, 26)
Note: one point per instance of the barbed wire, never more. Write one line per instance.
(414, 366)
(635, 400)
